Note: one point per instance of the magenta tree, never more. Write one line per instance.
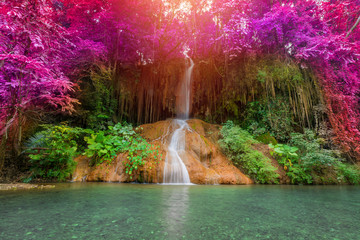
(32, 51)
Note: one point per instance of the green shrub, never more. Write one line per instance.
(348, 173)
(305, 159)
(299, 175)
(284, 153)
(267, 139)
(312, 154)
(270, 115)
(237, 144)
(287, 156)
(105, 145)
(52, 150)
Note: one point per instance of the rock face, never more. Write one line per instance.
(203, 158)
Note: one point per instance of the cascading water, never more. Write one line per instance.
(186, 89)
(175, 171)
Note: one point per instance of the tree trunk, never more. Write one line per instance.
(2, 152)
(18, 142)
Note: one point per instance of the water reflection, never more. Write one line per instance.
(176, 202)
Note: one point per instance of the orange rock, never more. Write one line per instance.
(203, 158)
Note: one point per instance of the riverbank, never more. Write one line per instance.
(23, 186)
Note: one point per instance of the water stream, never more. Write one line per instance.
(175, 171)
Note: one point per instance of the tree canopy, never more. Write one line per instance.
(45, 44)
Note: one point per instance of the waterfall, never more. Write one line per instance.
(175, 171)
(187, 88)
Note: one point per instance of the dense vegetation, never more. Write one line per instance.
(238, 145)
(287, 72)
(304, 158)
(52, 151)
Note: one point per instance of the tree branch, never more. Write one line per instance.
(353, 27)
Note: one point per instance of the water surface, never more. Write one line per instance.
(134, 211)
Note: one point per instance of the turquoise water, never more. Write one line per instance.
(134, 211)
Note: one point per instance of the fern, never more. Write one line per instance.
(36, 141)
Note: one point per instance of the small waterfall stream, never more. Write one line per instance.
(187, 88)
(175, 171)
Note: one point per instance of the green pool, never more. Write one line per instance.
(134, 211)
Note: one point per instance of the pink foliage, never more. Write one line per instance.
(33, 48)
(299, 31)
(42, 43)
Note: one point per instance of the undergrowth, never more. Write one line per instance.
(237, 144)
(306, 161)
(105, 145)
(52, 150)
